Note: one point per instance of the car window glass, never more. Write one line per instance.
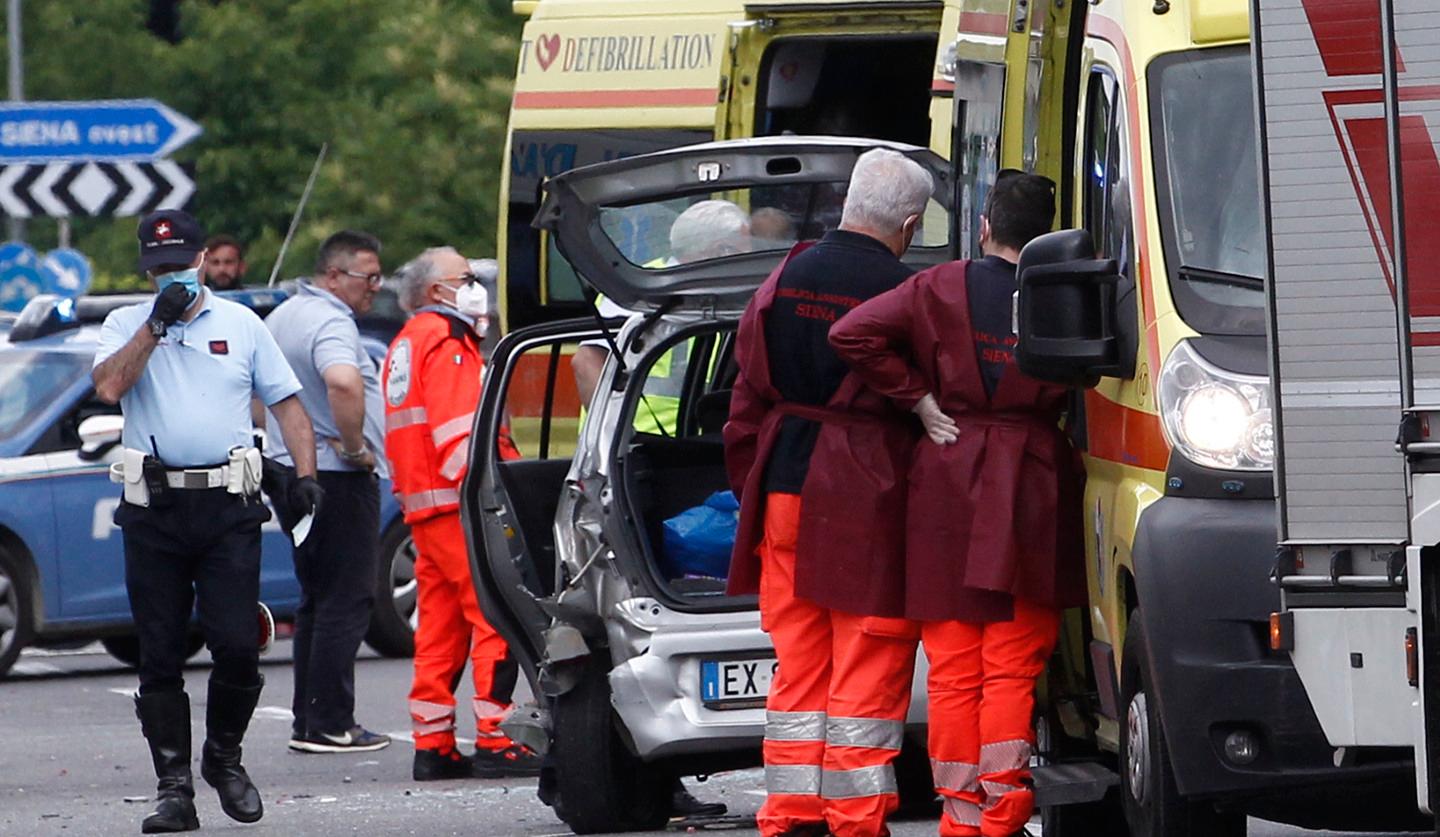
(542, 405)
(686, 389)
(31, 381)
(668, 233)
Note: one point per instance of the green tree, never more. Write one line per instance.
(411, 95)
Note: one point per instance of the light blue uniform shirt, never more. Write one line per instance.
(316, 330)
(193, 398)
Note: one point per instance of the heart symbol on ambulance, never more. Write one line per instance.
(547, 47)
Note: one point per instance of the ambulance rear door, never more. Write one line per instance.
(1349, 169)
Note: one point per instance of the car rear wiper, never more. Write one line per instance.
(1220, 277)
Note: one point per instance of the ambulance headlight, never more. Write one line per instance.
(1214, 417)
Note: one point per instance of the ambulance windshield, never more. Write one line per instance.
(1206, 116)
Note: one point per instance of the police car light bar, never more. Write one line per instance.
(48, 314)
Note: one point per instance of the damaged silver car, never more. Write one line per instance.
(644, 669)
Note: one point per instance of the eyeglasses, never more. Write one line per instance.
(372, 279)
(463, 279)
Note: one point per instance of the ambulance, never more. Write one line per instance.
(1350, 98)
(1155, 299)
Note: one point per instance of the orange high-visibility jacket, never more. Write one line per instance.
(431, 388)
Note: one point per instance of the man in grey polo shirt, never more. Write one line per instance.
(336, 564)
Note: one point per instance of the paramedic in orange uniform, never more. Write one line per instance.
(809, 516)
(432, 388)
(993, 549)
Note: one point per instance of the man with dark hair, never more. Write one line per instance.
(184, 370)
(336, 564)
(224, 263)
(993, 547)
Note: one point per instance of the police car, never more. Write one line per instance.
(62, 568)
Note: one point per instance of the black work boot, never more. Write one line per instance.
(226, 717)
(165, 721)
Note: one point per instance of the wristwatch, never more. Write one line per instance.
(156, 327)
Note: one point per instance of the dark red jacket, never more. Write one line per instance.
(998, 510)
(853, 501)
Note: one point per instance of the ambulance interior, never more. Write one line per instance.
(857, 86)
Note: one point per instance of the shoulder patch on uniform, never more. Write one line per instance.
(397, 373)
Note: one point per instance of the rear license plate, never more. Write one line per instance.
(736, 684)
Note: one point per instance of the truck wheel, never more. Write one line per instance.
(1153, 804)
(393, 621)
(15, 617)
(600, 787)
(126, 648)
(1080, 820)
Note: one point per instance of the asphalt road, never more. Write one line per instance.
(72, 762)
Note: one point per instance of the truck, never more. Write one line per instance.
(1349, 122)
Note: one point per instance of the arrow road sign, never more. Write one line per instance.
(63, 189)
(116, 130)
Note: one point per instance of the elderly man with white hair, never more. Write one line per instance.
(814, 458)
(432, 388)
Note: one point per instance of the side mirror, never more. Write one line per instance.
(99, 434)
(1066, 311)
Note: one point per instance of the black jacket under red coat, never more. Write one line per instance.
(853, 500)
(999, 509)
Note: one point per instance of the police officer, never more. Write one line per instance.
(184, 369)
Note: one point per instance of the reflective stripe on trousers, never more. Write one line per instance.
(427, 718)
(792, 778)
(875, 733)
(794, 726)
(859, 782)
(426, 500)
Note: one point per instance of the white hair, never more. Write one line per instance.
(886, 187)
(417, 275)
(709, 229)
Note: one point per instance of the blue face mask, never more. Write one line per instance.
(189, 278)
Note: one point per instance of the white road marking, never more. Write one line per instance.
(122, 692)
(401, 736)
(86, 650)
(274, 713)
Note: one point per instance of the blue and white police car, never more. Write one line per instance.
(62, 569)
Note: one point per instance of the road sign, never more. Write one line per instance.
(117, 130)
(66, 272)
(64, 189)
(20, 277)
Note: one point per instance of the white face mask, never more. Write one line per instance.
(472, 300)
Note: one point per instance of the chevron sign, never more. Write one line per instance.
(80, 188)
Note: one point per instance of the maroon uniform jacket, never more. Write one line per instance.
(999, 509)
(853, 501)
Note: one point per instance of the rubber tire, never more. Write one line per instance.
(1164, 812)
(126, 648)
(17, 570)
(1090, 819)
(600, 787)
(390, 634)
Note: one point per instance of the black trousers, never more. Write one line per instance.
(200, 551)
(337, 568)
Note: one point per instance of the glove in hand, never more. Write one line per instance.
(306, 495)
(941, 429)
(170, 304)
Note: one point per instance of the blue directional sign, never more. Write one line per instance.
(105, 131)
(19, 275)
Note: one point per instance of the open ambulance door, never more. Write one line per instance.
(521, 449)
(831, 68)
(1349, 174)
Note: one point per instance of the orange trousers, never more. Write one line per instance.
(452, 629)
(981, 706)
(828, 741)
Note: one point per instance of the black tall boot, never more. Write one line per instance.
(226, 717)
(165, 721)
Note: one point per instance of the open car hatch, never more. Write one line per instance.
(634, 230)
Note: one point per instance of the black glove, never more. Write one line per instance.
(170, 305)
(306, 495)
